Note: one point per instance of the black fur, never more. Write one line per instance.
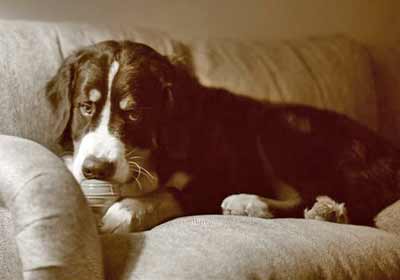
(231, 143)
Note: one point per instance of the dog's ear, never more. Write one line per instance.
(58, 92)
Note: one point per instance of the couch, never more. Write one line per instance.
(48, 232)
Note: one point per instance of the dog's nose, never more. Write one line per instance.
(97, 168)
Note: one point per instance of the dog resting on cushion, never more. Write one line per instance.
(127, 106)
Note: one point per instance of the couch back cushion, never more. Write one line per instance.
(330, 72)
(386, 68)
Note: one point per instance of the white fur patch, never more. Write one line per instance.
(101, 143)
(138, 214)
(106, 113)
(327, 209)
(246, 205)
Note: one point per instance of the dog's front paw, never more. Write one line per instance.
(246, 205)
(127, 215)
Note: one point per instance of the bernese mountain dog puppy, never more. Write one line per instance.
(180, 148)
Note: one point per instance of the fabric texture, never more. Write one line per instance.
(234, 247)
(54, 230)
(389, 218)
(10, 263)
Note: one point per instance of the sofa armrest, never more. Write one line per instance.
(55, 232)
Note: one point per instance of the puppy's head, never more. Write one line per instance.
(113, 94)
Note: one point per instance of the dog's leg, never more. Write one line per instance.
(288, 203)
(142, 213)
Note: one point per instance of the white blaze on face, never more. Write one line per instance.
(101, 143)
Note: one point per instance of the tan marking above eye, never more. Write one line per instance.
(127, 103)
(94, 95)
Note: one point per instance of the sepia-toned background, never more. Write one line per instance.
(369, 21)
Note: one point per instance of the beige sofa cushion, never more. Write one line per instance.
(229, 247)
(10, 264)
(389, 218)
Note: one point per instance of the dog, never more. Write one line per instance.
(180, 148)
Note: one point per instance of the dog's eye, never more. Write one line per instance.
(87, 108)
(133, 116)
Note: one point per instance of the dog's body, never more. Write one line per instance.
(255, 158)
(237, 145)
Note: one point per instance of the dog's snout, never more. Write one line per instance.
(97, 168)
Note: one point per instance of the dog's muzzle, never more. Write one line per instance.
(97, 168)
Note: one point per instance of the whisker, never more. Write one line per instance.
(136, 157)
(139, 170)
(147, 174)
(130, 151)
(151, 179)
(138, 182)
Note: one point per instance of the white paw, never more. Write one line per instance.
(246, 205)
(127, 215)
(327, 209)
